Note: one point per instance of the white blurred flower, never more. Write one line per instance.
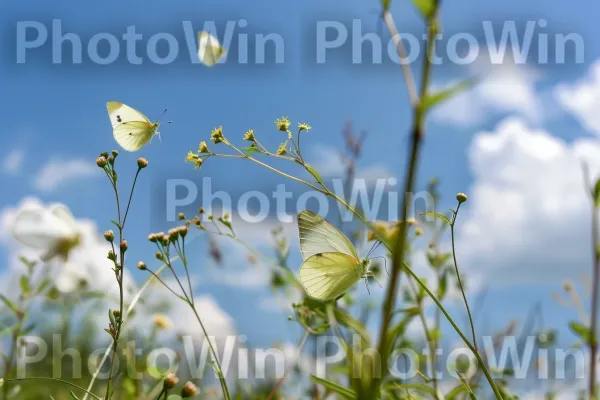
(51, 230)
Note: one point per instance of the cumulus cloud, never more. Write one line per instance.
(505, 88)
(582, 98)
(528, 214)
(13, 162)
(59, 172)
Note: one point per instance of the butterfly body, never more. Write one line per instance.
(131, 128)
(331, 263)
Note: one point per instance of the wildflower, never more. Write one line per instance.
(203, 148)
(194, 158)
(217, 135)
(461, 197)
(282, 149)
(249, 135)
(171, 380)
(142, 163)
(142, 266)
(304, 127)
(101, 161)
(282, 124)
(52, 230)
(109, 236)
(189, 390)
(161, 321)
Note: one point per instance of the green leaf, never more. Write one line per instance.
(9, 304)
(437, 215)
(581, 330)
(421, 387)
(249, 150)
(425, 7)
(116, 224)
(43, 285)
(460, 389)
(431, 100)
(314, 173)
(467, 387)
(442, 286)
(24, 283)
(597, 193)
(334, 387)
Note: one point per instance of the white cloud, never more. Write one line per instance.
(528, 215)
(582, 99)
(13, 162)
(328, 162)
(506, 88)
(58, 172)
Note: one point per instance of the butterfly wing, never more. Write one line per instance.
(209, 49)
(325, 276)
(133, 135)
(317, 235)
(119, 113)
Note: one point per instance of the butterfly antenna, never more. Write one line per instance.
(161, 115)
(374, 247)
(384, 263)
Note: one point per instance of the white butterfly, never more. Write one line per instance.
(331, 263)
(52, 231)
(131, 128)
(209, 49)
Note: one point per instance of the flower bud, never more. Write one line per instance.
(142, 163)
(165, 240)
(217, 135)
(181, 216)
(152, 237)
(183, 230)
(123, 245)
(111, 160)
(159, 256)
(461, 197)
(282, 149)
(201, 210)
(189, 390)
(112, 256)
(101, 161)
(142, 266)
(173, 233)
(109, 236)
(115, 153)
(171, 381)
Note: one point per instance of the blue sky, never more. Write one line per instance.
(55, 113)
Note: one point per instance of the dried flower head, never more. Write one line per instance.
(304, 127)
(189, 390)
(203, 148)
(249, 135)
(282, 124)
(282, 149)
(142, 163)
(217, 135)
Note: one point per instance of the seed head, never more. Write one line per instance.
(189, 390)
(171, 381)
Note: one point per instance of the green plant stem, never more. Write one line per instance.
(55, 380)
(430, 340)
(12, 354)
(594, 306)
(462, 290)
(287, 370)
